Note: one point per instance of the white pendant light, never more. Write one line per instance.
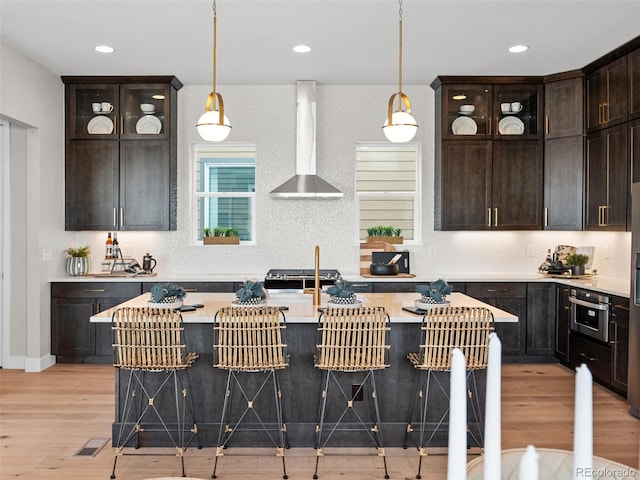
(400, 126)
(213, 125)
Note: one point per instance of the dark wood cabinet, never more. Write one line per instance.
(512, 298)
(74, 339)
(633, 65)
(121, 164)
(517, 186)
(619, 341)
(199, 287)
(634, 149)
(594, 354)
(488, 165)
(541, 316)
(607, 179)
(562, 323)
(463, 185)
(606, 95)
(563, 183)
(489, 186)
(564, 106)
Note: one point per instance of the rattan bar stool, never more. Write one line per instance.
(251, 340)
(443, 329)
(351, 340)
(149, 344)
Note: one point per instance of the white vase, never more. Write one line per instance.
(78, 265)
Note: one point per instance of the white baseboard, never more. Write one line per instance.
(13, 362)
(39, 364)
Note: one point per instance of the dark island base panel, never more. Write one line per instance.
(301, 385)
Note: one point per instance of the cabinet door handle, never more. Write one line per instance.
(495, 217)
(587, 357)
(115, 217)
(489, 118)
(546, 124)
(600, 113)
(546, 216)
(122, 125)
(95, 290)
(489, 217)
(121, 216)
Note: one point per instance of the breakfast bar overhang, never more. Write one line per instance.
(301, 382)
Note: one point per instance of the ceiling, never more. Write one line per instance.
(353, 41)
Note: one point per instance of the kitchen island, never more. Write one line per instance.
(301, 381)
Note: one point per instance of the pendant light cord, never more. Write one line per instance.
(399, 52)
(215, 21)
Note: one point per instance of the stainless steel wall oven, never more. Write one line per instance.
(590, 314)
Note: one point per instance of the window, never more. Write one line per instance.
(388, 188)
(225, 180)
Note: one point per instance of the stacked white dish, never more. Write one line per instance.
(464, 126)
(511, 126)
(149, 124)
(100, 125)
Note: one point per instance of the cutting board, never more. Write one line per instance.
(366, 250)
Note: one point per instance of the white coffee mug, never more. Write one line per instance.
(505, 107)
(96, 107)
(106, 107)
(516, 107)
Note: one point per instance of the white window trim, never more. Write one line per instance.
(417, 211)
(193, 222)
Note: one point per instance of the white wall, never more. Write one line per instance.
(288, 229)
(32, 101)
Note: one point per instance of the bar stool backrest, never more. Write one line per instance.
(353, 339)
(149, 339)
(446, 328)
(250, 339)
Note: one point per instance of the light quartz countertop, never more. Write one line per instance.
(608, 285)
(301, 308)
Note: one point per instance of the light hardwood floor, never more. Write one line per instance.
(45, 418)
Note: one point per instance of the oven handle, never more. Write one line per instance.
(595, 306)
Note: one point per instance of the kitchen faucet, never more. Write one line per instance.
(316, 290)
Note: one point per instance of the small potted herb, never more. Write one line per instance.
(221, 236)
(251, 293)
(577, 261)
(384, 233)
(78, 261)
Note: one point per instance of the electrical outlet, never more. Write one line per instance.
(47, 255)
(531, 250)
(357, 393)
(224, 253)
(431, 251)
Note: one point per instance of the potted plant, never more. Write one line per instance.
(577, 261)
(168, 294)
(435, 293)
(384, 233)
(251, 293)
(221, 236)
(78, 261)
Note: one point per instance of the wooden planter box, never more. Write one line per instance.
(395, 240)
(221, 240)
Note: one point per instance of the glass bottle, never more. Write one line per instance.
(116, 246)
(108, 252)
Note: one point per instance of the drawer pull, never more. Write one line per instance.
(95, 289)
(621, 307)
(365, 285)
(492, 290)
(190, 290)
(587, 357)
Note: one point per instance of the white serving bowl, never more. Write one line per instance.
(147, 107)
(467, 108)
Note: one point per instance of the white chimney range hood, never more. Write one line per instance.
(305, 183)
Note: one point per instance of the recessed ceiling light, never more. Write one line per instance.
(302, 49)
(103, 49)
(518, 48)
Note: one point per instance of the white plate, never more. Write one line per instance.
(511, 126)
(464, 126)
(355, 304)
(100, 125)
(427, 306)
(149, 124)
(465, 113)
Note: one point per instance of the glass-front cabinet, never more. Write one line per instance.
(490, 111)
(119, 110)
